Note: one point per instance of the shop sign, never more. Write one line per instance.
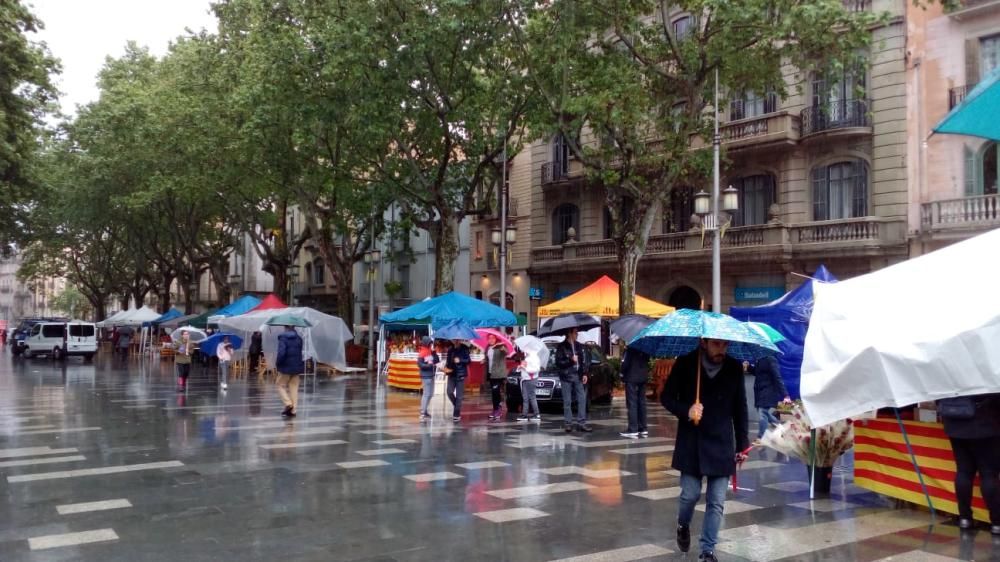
(535, 293)
(758, 293)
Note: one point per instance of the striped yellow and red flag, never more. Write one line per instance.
(882, 464)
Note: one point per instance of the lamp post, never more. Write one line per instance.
(372, 258)
(293, 277)
(711, 219)
(502, 238)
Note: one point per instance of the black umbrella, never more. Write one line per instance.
(559, 325)
(628, 326)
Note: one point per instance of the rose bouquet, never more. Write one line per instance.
(794, 438)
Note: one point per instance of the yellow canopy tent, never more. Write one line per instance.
(601, 299)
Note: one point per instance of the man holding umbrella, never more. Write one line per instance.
(706, 393)
(574, 367)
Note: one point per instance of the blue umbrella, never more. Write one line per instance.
(456, 330)
(679, 333)
(977, 114)
(209, 344)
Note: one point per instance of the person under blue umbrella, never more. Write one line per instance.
(457, 369)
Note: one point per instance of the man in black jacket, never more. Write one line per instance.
(768, 390)
(711, 435)
(573, 363)
(635, 373)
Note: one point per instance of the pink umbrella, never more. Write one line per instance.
(484, 333)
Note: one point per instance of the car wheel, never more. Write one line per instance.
(27, 353)
(57, 353)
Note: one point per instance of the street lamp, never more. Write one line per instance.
(372, 258)
(502, 238)
(293, 277)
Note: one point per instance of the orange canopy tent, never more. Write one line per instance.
(269, 302)
(601, 299)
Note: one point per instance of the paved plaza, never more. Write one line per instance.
(105, 461)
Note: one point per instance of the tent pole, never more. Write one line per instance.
(913, 459)
(812, 463)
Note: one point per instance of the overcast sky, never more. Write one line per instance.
(81, 33)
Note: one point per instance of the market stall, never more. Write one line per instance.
(399, 354)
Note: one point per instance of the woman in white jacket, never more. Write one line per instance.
(530, 368)
(224, 351)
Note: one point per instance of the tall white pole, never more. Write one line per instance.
(371, 296)
(503, 229)
(717, 238)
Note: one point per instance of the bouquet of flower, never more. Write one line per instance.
(794, 438)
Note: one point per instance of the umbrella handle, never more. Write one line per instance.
(697, 387)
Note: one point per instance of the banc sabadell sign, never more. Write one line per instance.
(766, 294)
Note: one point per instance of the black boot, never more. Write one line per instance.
(684, 538)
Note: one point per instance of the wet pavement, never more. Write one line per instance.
(106, 461)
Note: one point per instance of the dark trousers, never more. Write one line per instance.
(183, 370)
(635, 400)
(456, 390)
(982, 456)
(496, 390)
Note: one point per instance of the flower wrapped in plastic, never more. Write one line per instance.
(793, 437)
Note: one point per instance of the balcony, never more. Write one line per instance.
(973, 9)
(866, 236)
(956, 95)
(845, 116)
(960, 215)
(760, 132)
(556, 173)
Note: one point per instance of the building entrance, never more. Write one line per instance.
(685, 297)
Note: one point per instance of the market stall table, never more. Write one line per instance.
(882, 464)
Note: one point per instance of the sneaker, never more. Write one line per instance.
(629, 435)
(584, 427)
(287, 412)
(536, 418)
(708, 556)
(523, 418)
(643, 434)
(423, 417)
(568, 428)
(456, 419)
(683, 538)
(225, 386)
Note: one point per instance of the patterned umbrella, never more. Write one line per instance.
(772, 335)
(559, 325)
(679, 333)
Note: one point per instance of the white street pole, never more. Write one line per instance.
(371, 296)
(503, 230)
(716, 239)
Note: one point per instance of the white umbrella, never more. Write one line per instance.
(194, 334)
(531, 344)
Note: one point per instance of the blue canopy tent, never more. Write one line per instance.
(442, 309)
(239, 306)
(168, 315)
(789, 315)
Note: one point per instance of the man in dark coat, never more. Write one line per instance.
(711, 436)
(290, 366)
(975, 441)
(635, 373)
(573, 363)
(768, 390)
(457, 369)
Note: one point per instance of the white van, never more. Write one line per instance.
(62, 339)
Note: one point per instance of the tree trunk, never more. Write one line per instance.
(218, 274)
(164, 295)
(630, 251)
(281, 287)
(446, 250)
(340, 262)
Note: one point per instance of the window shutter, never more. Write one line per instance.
(970, 172)
(971, 62)
(819, 193)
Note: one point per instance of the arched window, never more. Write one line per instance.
(680, 207)
(495, 299)
(683, 27)
(840, 190)
(309, 272)
(318, 272)
(565, 216)
(981, 170)
(756, 194)
(608, 226)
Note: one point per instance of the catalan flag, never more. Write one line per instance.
(882, 464)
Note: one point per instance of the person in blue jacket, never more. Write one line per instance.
(290, 366)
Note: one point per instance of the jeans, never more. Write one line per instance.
(982, 456)
(635, 400)
(715, 497)
(569, 388)
(767, 417)
(456, 389)
(496, 390)
(223, 371)
(425, 398)
(530, 400)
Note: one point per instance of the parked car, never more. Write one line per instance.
(59, 340)
(548, 387)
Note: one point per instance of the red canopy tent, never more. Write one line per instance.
(270, 302)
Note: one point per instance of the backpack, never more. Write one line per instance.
(960, 407)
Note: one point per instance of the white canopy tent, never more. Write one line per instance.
(325, 340)
(137, 316)
(110, 321)
(889, 339)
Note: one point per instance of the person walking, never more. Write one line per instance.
(768, 391)
(124, 341)
(224, 351)
(256, 351)
(183, 350)
(530, 367)
(972, 424)
(574, 367)
(635, 373)
(457, 370)
(711, 435)
(290, 366)
(427, 360)
(497, 355)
